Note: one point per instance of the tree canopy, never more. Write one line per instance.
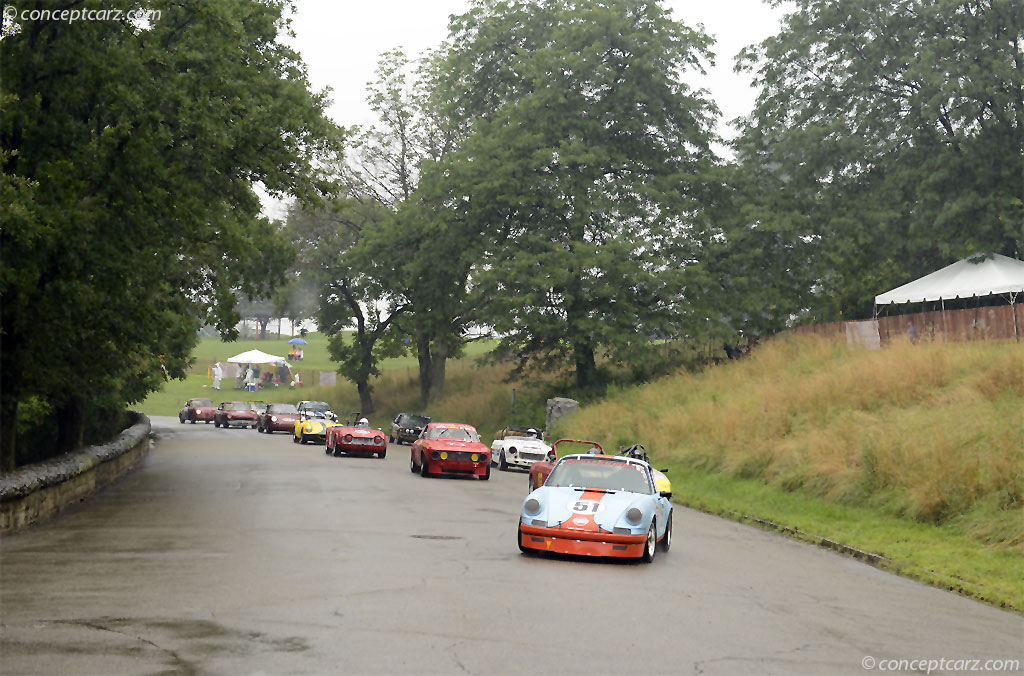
(130, 151)
(895, 133)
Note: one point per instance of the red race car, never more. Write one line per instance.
(234, 414)
(540, 470)
(277, 418)
(196, 410)
(450, 448)
(358, 438)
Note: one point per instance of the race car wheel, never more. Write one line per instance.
(391, 439)
(666, 541)
(519, 540)
(487, 473)
(295, 439)
(327, 447)
(651, 545)
(192, 420)
(412, 465)
(181, 420)
(532, 487)
(502, 465)
(424, 466)
(381, 454)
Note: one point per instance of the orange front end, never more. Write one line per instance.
(580, 542)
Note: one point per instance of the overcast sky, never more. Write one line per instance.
(341, 41)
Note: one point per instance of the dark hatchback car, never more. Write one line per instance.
(278, 418)
(407, 427)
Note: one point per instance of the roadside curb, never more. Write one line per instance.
(39, 492)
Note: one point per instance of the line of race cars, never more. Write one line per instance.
(585, 504)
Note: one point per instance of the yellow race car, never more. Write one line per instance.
(314, 419)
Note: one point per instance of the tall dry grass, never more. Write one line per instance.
(931, 431)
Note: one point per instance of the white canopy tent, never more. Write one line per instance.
(256, 357)
(973, 276)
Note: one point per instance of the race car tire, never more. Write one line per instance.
(215, 423)
(391, 439)
(519, 540)
(327, 447)
(381, 454)
(424, 467)
(532, 487)
(502, 464)
(412, 465)
(207, 422)
(295, 439)
(192, 420)
(651, 544)
(487, 473)
(666, 542)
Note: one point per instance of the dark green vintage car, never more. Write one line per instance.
(407, 427)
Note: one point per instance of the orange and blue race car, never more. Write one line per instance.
(450, 448)
(597, 505)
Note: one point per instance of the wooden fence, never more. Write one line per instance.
(981, 323)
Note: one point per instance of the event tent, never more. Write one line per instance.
(256, 357)
(973, 276)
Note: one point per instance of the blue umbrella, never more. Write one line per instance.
(297, 341)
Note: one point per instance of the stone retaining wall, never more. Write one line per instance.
(38, 492)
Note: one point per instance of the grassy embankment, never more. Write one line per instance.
(914, 452)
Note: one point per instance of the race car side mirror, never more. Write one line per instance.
(666, 494)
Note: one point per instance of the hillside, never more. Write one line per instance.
(913, 452)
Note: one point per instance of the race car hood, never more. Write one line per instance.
(528, 444)
(367, 432)
(455, 445)
(588, 510)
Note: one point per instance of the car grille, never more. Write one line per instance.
(531, 456)
(360, 441)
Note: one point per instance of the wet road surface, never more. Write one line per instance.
(233, 552)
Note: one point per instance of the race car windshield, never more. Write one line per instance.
(459, 433)
(202, 402)
(416, 420)
(603, 474)
(282, 408)
(317, 406)
(236, 406)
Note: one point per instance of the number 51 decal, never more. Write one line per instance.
(586, 506)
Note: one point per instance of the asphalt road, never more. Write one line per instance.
(232, 552)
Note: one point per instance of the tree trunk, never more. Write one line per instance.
(8, 427)
(71, 425)
(440, 350)
(586, 365)
(365, 397)
(424, 357)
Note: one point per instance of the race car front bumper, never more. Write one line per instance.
(580, 542)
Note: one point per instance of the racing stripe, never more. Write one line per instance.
(584, 520)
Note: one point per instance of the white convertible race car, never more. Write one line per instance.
(519, 447)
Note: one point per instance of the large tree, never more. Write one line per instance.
(896, 132)
(129, 156)
(585, 165)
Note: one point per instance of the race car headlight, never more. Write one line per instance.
(634, 515)
(444, 455)
(348, 438)
(531, 506)
(378, 440)
(273, 418)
